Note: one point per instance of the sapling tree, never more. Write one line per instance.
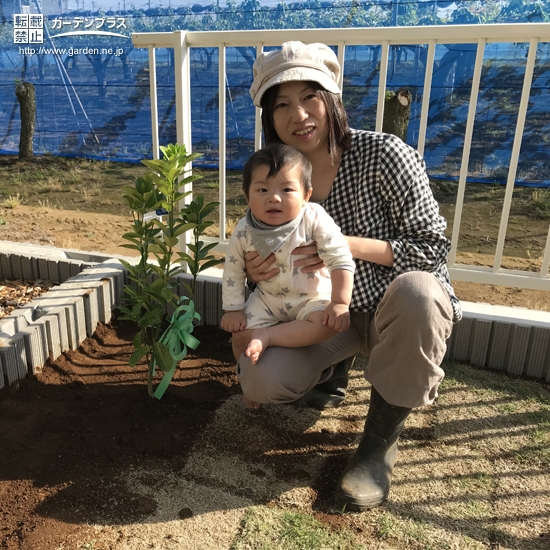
(163, 338)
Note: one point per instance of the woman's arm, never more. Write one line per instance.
(362, 248)
(371, 250)
(419, 242)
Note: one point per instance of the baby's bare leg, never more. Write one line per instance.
(239, 342)
(294, 334)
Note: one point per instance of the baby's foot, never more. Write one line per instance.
(250, 404)
(257, 345)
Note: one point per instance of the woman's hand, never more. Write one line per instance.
(259, 269)
(312, 262)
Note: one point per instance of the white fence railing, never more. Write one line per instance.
(531, 34)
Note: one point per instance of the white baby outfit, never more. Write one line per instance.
(290, 294)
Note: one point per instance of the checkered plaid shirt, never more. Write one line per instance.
(382, 191)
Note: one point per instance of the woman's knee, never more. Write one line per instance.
(418, 296)
(265, 382)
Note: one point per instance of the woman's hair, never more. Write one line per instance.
(337, 119)
(276, 156)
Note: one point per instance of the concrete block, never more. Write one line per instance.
(91, 310)
(27, 269)
(106, 282)
(53, 271)
(16, 270)
(77, 315)
(36, 346)
(17, 320)
(13, 358)
(73, 301)
(517, 349)
(461, 339)
(199, 299)
(43, 272)
(112, 271)
(479, 342)
(75, 323)
(116, 272)
(496, 355)
(90, 293)
(75, 268)
(212, 302)
(62, 336)
(64, 267)
(5, 264)
(50, 324)
(538, 350)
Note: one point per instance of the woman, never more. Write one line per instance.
(403, 306)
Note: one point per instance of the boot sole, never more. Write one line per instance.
(347, 504)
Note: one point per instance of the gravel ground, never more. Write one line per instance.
(16, 293)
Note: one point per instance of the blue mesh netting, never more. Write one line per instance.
(97, 104)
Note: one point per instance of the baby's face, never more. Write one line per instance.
(279, 199)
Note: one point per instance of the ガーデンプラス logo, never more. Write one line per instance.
(28, 28)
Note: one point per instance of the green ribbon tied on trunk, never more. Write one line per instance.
(173, 344)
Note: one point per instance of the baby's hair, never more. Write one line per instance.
(276, 156)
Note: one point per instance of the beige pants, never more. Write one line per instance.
(405, 340)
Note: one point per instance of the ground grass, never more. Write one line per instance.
(265, 528)
(473, 473)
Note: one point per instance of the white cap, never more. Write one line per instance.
(295, 61)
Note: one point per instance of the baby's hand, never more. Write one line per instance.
(233, 321)
(336, 316)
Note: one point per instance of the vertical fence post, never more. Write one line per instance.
(222, 137)
(474, 93)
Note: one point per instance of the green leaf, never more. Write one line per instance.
(151, 319)
(137, 340)
(210, 263)
(138, 354)
(157, 285)
(184, 257)
(184, 228)
(207, 247)
(166, 294)
(163, 357)
(208, 208)
(171, 241)
(156, 249)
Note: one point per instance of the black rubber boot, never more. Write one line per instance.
(366, 480)
(331, 392)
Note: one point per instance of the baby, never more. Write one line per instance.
(292, 309)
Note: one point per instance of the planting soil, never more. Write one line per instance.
(68, 435)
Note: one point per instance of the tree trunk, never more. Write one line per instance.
(397, 109)
(25, 95)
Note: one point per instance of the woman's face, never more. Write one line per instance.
(300, 118)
